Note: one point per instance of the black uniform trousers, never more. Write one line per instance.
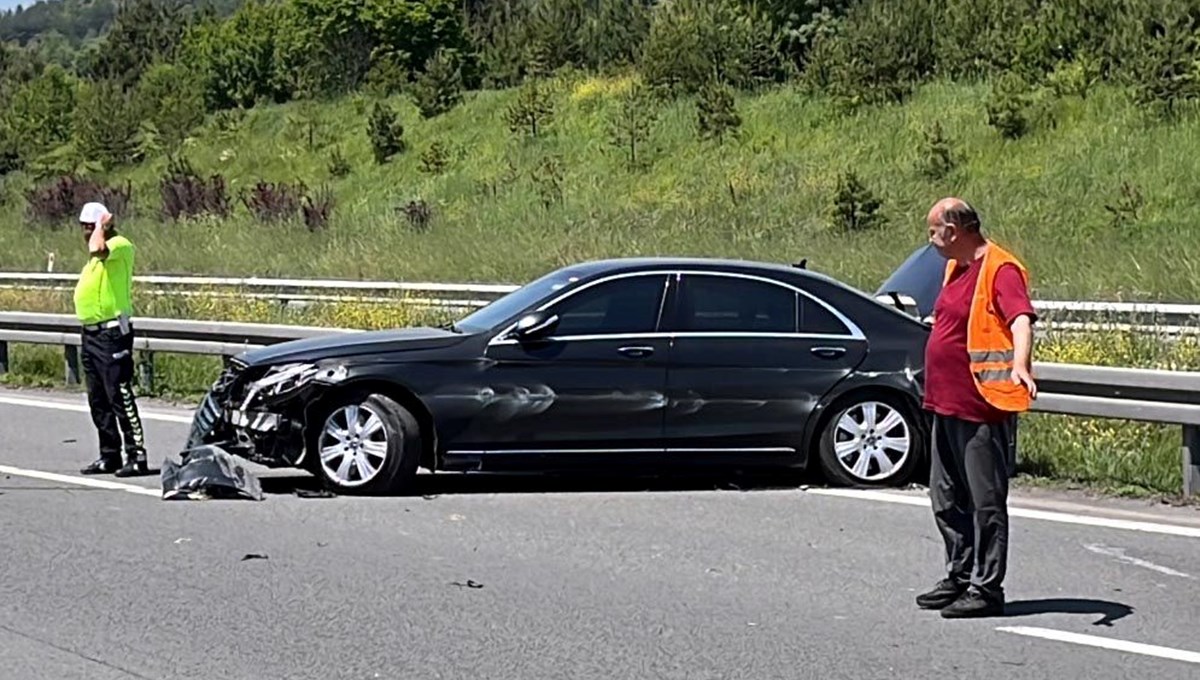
(107, 356)
(969, 473)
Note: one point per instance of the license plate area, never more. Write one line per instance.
(258, 421)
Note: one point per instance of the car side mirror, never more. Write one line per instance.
(534, 325)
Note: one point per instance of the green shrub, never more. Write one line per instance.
(877, 54)
(939, 158)
(1166, 71)
(855, 206)
(532, 111)
(630, 125)
(716, 112)
(385, 132)
(439, 88)
(693, 41)
(435, 159)
(1009, 106)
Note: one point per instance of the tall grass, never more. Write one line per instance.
(764, 195)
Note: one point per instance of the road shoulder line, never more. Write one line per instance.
(1104, 643)
(1027, 513)
(146, 414)
(79, 481)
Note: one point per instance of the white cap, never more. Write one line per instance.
(92, 212)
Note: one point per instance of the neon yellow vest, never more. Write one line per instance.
(105, 287)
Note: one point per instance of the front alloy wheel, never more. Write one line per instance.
(353, 445)
(367, 444)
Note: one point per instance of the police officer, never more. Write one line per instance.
(104, 308)
(978, 379)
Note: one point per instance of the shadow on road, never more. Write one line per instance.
(463, 484)
(1107, 611)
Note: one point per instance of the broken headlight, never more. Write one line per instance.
(282, 379)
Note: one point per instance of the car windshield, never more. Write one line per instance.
(487, 318)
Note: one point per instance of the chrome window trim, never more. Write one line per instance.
(854, 332)
(666, 274)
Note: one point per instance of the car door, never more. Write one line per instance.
(594, 384)
(751, 357)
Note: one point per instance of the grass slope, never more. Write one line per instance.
(765, 195)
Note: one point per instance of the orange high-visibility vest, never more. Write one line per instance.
(989, 339)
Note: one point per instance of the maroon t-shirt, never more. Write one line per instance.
(949, 387)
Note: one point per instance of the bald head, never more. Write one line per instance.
(955, 212)
(954, 228)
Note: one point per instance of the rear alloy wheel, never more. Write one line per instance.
(367, 445)
(872, 441)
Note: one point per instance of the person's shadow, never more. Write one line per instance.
(1107, 611)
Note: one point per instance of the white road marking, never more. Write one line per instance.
(1104, 643)
(1120, 556)
(861, 494)
(79, 481)
(1028, 513)
(83, 408)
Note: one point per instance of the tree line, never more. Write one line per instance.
(161, 66)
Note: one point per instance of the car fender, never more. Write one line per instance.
(367, 378)
(904, 383)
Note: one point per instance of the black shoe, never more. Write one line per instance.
(134, 468)
(101, 466)
(975, 603)
(942, 595)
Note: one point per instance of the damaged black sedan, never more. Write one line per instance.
(635, 364)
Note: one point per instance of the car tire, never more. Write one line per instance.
(378, 456)
(856, 450)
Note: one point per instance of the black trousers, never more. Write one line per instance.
(971, 464)
(107, 356)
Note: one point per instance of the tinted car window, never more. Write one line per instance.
(517, 301)
(723, 304)
(814, 318)
(628, 305)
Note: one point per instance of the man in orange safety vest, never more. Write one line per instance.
(977, 379)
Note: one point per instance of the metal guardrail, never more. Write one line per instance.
(1156, 396)
(465, 295)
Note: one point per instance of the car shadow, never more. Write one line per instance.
(1109, 612)
(452, 484)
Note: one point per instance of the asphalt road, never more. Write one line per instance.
(480, 577)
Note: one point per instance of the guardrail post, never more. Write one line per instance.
(71, 354)
(146, 371)
(1191, 460)
(3, 357)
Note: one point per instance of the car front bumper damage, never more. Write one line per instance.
(245, 417)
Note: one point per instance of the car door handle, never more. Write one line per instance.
(637, 351)
(829, 352)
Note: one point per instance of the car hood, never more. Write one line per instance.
(919, 277)
(337, 345)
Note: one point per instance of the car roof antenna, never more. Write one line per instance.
(802, 264)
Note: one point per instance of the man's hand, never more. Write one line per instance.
(1022, 328)
(98, 243)
(1021, 376)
